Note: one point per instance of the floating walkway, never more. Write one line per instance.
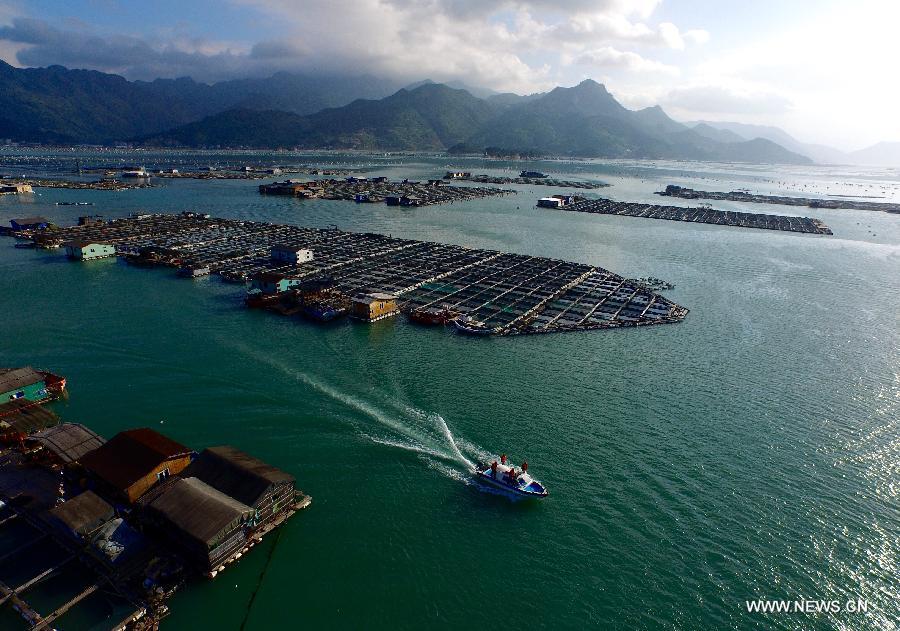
(506, 294)
(699, 215)
(812, 202)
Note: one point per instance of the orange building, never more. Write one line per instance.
(372, 307)
(134, 460)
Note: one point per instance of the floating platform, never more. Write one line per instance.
(508, 293)
(379, 189)
(812, 202)
(535, 181)
(760, 221)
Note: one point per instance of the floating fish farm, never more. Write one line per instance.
(376, 190)
(699, 215)
(495, 293)
(534, 181)
(743, 196)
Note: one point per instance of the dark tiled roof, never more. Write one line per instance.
(197, 509)
(130, 455)
(236, 474)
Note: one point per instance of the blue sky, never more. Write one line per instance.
(822, 70)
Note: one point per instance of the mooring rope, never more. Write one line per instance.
(262, 575)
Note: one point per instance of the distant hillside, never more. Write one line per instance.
(430, 117)
(881, 154)
(820, 153)
(586, 120)
(581, 121)
(56, 104)
(719, 135)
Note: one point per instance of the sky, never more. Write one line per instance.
(823, 70)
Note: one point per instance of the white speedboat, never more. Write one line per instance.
(510, 479)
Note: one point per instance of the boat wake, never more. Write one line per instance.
(399, 425)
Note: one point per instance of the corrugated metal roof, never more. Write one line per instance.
(69, 441)
(236, 473)
(130, 455)
(197, 509)
(15, 378)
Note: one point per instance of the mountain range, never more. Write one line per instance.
(59, 105)
(584, 120)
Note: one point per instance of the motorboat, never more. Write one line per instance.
(503, 476)
(470, 326)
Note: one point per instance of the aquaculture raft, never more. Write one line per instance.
(762, 221)
(506, 293)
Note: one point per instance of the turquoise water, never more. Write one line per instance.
(749, 452)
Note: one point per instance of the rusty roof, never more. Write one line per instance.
(130, 455)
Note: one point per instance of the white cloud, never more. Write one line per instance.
(608, 57)
(718, 99)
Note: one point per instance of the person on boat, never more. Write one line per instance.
(502, 458)
(494, 469)
(512, 475)
(524, 466)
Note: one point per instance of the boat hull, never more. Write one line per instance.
(512, 490)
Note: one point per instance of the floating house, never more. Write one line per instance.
(291, 254)
(532, 174)
(206, 524)
(363, 197)
(15, 189)
(409, 200)
(269, 491)
(91, 220)
(272, 283)
(457, 175)
(89, 250)
(392, 200)
(373, 307)
(555, 201)
(133, 461)
(29, 223)
(29, 384)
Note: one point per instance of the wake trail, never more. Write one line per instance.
(426, 434)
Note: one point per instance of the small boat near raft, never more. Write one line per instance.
(503, 476)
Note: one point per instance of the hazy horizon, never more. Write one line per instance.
(815, 74)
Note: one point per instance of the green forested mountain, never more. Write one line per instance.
(55, 104)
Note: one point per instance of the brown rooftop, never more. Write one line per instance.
(130, 455)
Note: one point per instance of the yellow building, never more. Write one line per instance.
(372, 307)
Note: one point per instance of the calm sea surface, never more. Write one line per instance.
(752, 451)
